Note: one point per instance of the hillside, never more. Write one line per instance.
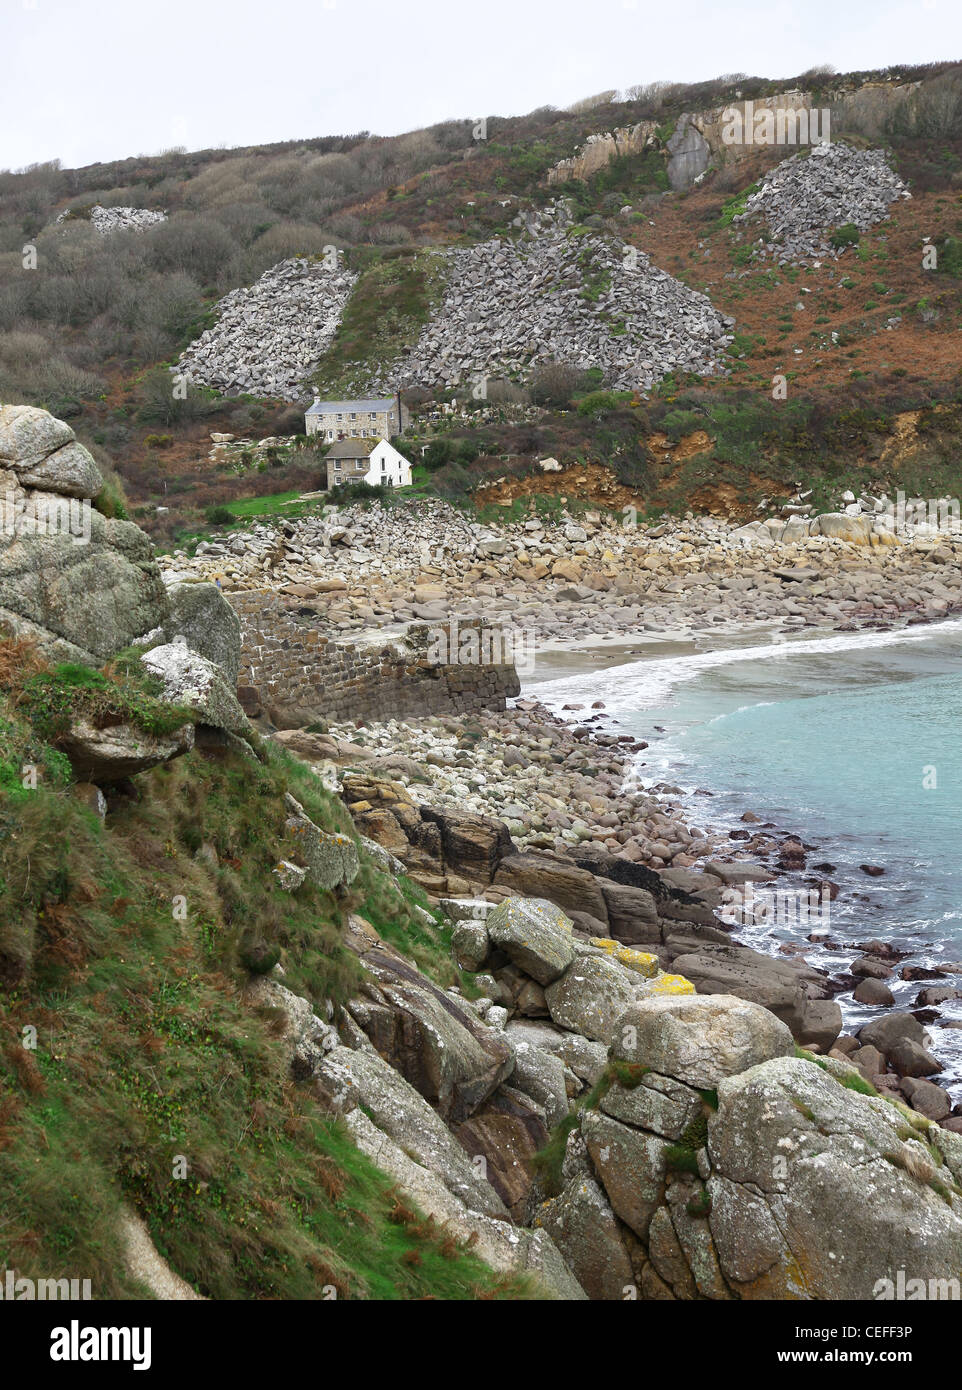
(324, 973)
(92, 331)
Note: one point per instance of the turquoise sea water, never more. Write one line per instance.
(852, 741)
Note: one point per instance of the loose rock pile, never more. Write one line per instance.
(510, 305)
(806, 196)
(269, 336)
(120, 219)
(553, 787)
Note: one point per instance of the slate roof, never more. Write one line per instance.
(345, 407)
(352, 448)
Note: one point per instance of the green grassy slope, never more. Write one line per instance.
(122, 951)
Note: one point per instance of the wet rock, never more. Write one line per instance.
(911, 1059)
(887, 1032)
(939, 994)
(870, 991)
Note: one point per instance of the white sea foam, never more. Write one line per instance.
(642, 684)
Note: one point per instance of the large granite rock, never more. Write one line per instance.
(83, 586)
(558, 880)
(583, 1227)
(699, 1039)
(472, 844)
(349, 1079)
(83, 601)
(632, 914)
(201, 615)
(592, 995)
(503, 1247)
(431, 1037)
(540, 1074)
(747, 1172)
(190, 680)
(69, 471)
(29, 435)
(842, 527)
(307, 1038)
(784, 987)
(631, 1165)
(535, 935)
(688, 154)
(505, 1133)
(120, 750)
(331, 861)
(820, 1193)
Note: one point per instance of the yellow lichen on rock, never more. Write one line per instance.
(670, 984)
(641, 961)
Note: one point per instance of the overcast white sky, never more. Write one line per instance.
(93, 80)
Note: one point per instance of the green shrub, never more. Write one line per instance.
(950, 256)
(597, 401)
(736, 205)
(439, 452)
(846, 235)
(110, 500)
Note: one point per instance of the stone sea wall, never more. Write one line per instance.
(294, 670)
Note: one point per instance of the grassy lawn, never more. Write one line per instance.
(246, 510)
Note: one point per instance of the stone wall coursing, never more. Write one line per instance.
(296, 671)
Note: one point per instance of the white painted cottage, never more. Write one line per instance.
(372, 461)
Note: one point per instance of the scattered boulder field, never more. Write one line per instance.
(577, 577)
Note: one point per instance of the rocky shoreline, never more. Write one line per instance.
(572, 827)
(554, 1047)
(546, 805)
(569, 580)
